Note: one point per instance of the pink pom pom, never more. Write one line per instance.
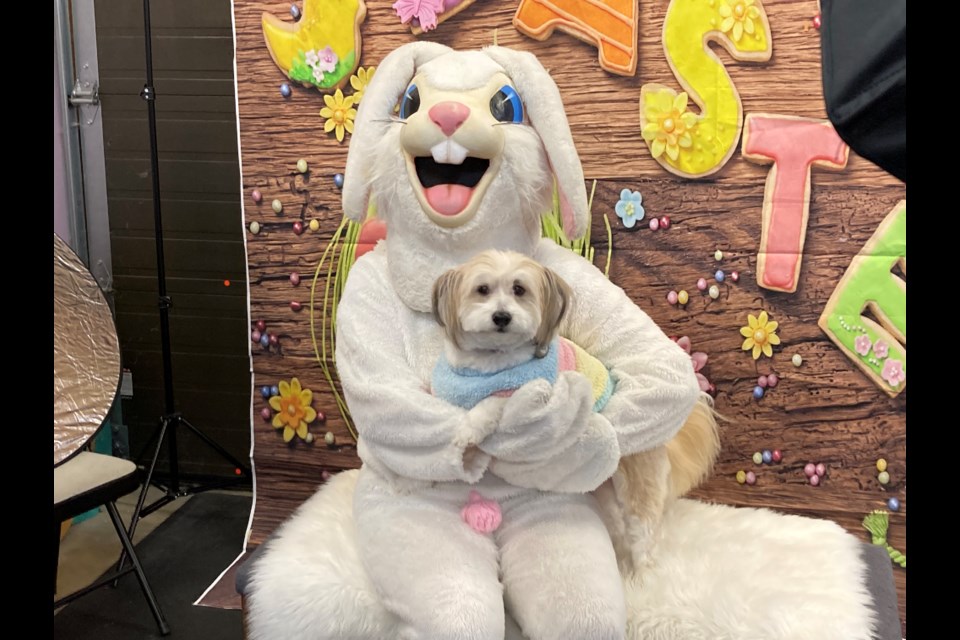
(482, 515)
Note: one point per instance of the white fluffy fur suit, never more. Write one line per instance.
(550, 563)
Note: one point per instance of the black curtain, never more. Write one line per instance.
(864, 46)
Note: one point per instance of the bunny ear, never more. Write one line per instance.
(544, 107)
(374, 116)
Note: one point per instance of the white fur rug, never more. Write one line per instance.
(721, 573)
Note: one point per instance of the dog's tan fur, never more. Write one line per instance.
(633, 500)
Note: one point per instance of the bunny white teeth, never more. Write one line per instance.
(448, 152)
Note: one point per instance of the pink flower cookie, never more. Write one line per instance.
(880, 349)
(893, 372)
(862, 344)
(326, 60)
(425, 11)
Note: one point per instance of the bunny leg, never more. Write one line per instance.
(560, 574)
(434, 572)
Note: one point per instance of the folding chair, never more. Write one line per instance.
(86, 377)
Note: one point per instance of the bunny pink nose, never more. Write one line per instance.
(449, 115)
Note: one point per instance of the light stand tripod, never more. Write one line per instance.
(172, 419)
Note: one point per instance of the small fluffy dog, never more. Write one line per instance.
(501, 312)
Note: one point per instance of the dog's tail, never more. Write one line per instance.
(694, 449)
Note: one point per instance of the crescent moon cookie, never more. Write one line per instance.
(793, 146)
(322, 48)
(609, 25)
(876, 344)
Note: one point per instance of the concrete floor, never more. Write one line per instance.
(91, 547)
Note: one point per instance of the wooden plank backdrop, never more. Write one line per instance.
(825, 411)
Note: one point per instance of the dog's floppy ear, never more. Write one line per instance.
(555, 296)
(445, 302)
(544, 108)
(374, 116)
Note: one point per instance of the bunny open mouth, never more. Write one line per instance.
(452, 182)
(449, 187)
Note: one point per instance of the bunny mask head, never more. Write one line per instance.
(468, 163)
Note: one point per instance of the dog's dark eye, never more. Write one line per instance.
(506, 106)
(518, 290)
(410, 103)
(483, 289)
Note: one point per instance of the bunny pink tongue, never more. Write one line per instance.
(448, 199)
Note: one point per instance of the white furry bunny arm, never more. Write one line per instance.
(403, 428)
(541, 419)
(550, 439)
(656, 387)
(581, 466)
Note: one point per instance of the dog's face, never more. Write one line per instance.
(500, 301)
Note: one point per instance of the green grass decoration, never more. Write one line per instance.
(877, 523)
(551, 226)
(340, 251)
(303, 73)
(340, 254)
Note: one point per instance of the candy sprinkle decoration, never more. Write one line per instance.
(878, 523)
(814, 473)
(741, 476)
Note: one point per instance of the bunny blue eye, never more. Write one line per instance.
(506, 106)
(410, 103)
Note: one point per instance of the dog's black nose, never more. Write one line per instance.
(501, 318)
